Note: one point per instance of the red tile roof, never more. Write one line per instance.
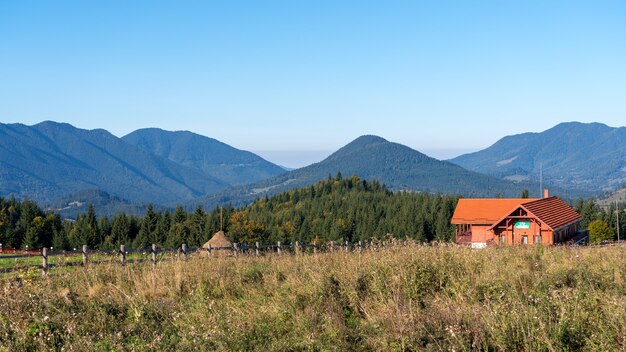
(485, 210)
(552, 211)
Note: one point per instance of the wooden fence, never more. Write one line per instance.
(152, 254)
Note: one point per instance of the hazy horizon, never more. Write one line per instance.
(297, 158)
(293, 159)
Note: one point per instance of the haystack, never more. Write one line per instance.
(219, 240)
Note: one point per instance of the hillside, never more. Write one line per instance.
(618, 196)
(72, 205)
(572, 155)
(214, 158)
(50, 160)
(344, 209)
(60, 166)
(373, 158)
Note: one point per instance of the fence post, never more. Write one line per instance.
(183, 250)
(123, 255)
(208, 250)
(332, 246)
(360, 247)
(278, 247)
(347, 247)
(257, 249)
(44, 261)
(297, 248)
(315, 247)
(235, 249)
(85, 257)
(154, 255)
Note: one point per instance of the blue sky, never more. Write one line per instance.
(290, 78)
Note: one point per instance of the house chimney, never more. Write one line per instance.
(546, 193)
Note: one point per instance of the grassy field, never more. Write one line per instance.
(6, 262)
(406, 298)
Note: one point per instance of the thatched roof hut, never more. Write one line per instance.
(219, 240)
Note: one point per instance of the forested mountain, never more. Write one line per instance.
(344, 209)
(572, 155)
(219, 160)
(618, 196)
(49, 160)
(57, 164)
(373, 158)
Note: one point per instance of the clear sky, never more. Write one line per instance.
(279, 77)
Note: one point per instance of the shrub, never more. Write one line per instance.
(599, 231)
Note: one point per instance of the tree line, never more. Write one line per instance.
(336, 209)
(25, 225)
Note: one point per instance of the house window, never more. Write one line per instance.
(537, 239)
(524, 239)
(502, 239)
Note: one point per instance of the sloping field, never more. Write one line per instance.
(405, 298)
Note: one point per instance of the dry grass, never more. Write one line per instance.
(409, 298)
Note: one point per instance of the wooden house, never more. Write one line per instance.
(514, 221)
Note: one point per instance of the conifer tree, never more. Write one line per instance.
(120, 230)
(59, 239)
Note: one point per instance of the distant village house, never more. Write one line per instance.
(487, 221)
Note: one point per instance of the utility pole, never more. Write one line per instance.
(540, 180)
(617, 210)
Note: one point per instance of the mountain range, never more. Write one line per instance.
(50, 160)
(399, 167)
(571, 155)
(64, 167)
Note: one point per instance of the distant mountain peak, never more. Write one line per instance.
(55, 124)
(579, 126)
(578, 123)
(155, 133)
(367, 140)
(571, 155)
(362, 142)
(160, 130)
(64, 127)
(370, 138)
(209, 155)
